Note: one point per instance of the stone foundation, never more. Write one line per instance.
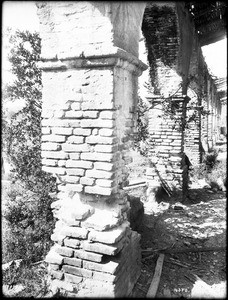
(95, 252)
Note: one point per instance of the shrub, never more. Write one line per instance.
(217, 173)
(30, 222)
(211, 170)
(140, 138)
(210, 159)
(28, 209)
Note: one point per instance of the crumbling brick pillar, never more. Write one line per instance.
(168, 165)
(90, 71)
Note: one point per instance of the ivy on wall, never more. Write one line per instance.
(159, 28)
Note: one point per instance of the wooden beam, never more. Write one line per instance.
(156, 279)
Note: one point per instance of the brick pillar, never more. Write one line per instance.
(168, 168)
(90, 72)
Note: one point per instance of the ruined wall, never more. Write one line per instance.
(90, 76)
(168, 37)
(177, 68)
(166, 147)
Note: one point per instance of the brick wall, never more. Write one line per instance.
(166, 146)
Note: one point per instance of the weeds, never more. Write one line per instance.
(33, 279)
(212, 170)
(28, 225)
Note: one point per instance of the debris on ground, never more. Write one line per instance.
(193, 238)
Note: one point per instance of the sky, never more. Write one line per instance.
(22, 15)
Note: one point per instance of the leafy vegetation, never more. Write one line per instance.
(211, 170)
(27, 214)
(140, 140)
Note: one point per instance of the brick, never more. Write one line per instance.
(65, 251)
(100, 221)
(175, 159)
(105, 182)
(76, 106)
(109, 267)
(99, 174)
(107, 114)
(54, 154)
(49, 162)
(92, 114)
(76, 232)
(75, 148)
(72, 278)
(58, 238)
(73, 262)
(80, 210)
(60, 123)
(97, 156)
(87, 181)
(88, 255)
(103, 276)
(95, 131)
(71, 187)
(100, 248)
(56, 274)
(76, 114)
(59, 114)
(54, 267)
(77, 271)
(105, 148)
(75, 139)
(74, 155)
(54, 258)
(84, 164)
(46, 130)
(96, 139)
(53, 138)
(72, 222)
(108, 104)
(106, 132)
(50, 146)
(71, 179)
(105, 191)
(82, 131)
(98, 123)
(108, 237)
(54, 170)
(73, 243)
(62, 163)
(104, 166)
(75, 172)
(62, 130)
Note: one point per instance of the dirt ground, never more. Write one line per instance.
(199, 223)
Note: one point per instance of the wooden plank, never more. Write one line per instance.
(173, 251)
(156, 279)
(214, 249)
